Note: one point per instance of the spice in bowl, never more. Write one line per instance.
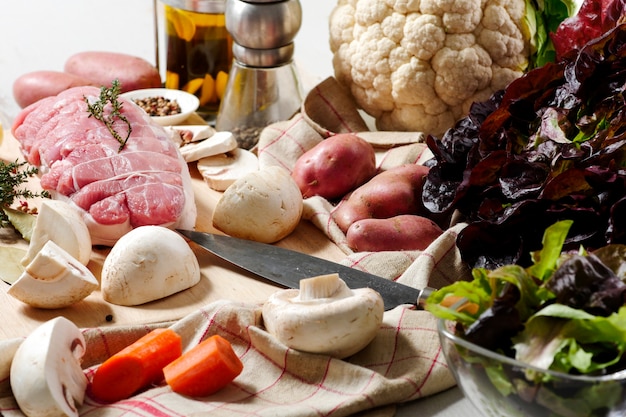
(164, 106)
(158, 106)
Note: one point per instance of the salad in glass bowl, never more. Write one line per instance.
(538, 173)
(544, 340)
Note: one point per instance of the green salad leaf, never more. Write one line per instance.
(542, 18)
(565, 312)
(566, 339)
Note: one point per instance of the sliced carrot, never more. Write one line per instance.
(136, 366)
(204, 369)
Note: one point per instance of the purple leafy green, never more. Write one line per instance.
(550, 147)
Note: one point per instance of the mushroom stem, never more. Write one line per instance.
(323, 286)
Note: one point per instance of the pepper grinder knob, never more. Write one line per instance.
(263, 30)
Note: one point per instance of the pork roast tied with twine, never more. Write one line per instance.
(145, 182)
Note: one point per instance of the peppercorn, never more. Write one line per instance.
(158, 106)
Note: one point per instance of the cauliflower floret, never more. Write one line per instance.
(418, 65)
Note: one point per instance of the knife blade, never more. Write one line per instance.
(287, 267)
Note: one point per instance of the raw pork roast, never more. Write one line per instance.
(146, 183)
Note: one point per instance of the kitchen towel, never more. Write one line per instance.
(403, 363)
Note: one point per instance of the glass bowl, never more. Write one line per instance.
(504, 387)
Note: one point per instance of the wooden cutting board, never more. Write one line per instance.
(219, 280)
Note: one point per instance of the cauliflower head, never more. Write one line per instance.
(418, 65)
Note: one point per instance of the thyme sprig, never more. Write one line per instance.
(12, 176)
(97, 110)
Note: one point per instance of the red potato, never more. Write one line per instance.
(33, 86)
(133, 72)
(335, 166)
(403, 232)
(390, 193)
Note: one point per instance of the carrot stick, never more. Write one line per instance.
(204, 369)
(136, 366)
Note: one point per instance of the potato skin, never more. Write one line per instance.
(398, 233)
(102, 68)
(390, 193)
(33, 86)
(335, 166)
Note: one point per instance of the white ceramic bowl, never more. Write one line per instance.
(188, 103)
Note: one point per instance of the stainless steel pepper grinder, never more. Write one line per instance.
(263, 85)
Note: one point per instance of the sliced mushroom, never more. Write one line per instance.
(46, 375)
(324, 316)
(146, 264)
(219, 143)
(181, 134)
(220, 171)
(60, 222)
(53, 279)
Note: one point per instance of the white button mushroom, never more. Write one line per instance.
(146, 264)
(53, 279)
(46, 375)
(264, 206)
(60, 222)
(324, 316)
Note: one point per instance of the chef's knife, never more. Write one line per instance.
(287, 267)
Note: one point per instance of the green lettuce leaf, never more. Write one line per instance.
(543, 17)
(567, 339)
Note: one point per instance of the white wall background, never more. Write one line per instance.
(42, 34)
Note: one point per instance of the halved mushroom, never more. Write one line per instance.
(324, 316)
(146, 264)
(60, 222)
(53, 279)
(46, 375)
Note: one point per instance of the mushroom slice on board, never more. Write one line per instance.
(220, 171)
(325, 316)
(46, 374)
(53, 279)
(219, 143)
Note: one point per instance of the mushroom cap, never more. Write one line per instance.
(264, 206)
(339, 325)
(146, 264)
(46, 374)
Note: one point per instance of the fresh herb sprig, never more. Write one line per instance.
(97, 110)
(12, 176)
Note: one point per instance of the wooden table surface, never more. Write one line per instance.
(220, 280)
